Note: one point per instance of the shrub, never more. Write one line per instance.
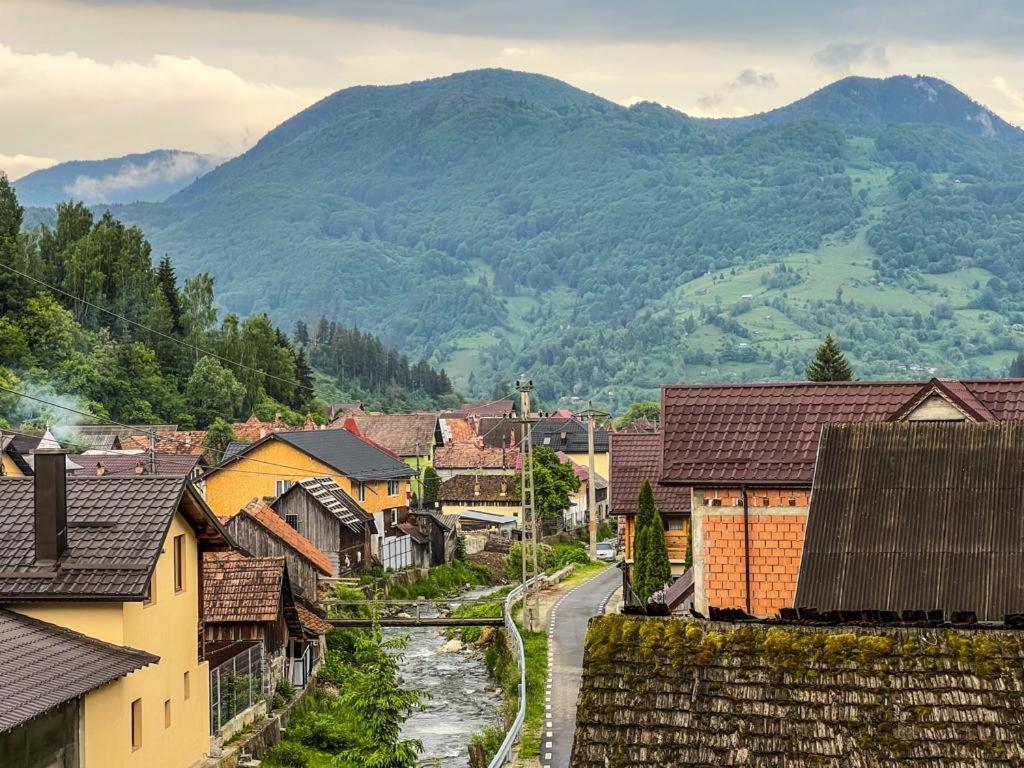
(322, 731)
(285, 690)
(289, 754)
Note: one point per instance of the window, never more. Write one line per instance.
(136, 724)
(179, 563)
(281, 486)
(292, 520)
(188, 686)
(147, 599)
(362, 491)
(675, 523)
(394, 517)
(392, 487)
(167, 713)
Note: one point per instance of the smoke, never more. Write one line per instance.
(840, 58)
(172, 167)
(55, 410)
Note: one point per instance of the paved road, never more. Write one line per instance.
(567, 630)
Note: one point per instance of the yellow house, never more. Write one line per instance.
(493, 494)
(375, 477)
(119, 561)
(12, 462)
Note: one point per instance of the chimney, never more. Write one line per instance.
(476, 488)
(504, 486)
(139, 468)
(51, 503)
(100, 469)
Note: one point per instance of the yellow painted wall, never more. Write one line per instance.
(600, 462)
(936, 408)
(167, 628)
(10, 468)
(455, 508)
(227, 492)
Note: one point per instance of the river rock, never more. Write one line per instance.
(486, 635)
(452, 646)
(403, 615)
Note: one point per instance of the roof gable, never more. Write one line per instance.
(916, 516)
(31, 651)
(955, 393)
(633, 458)
(333, 498)
(270, 521)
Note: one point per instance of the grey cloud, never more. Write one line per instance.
(138, 176)
(750, 78)
(709, 100)
(841, 57)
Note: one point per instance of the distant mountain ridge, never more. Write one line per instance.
(503, 222)
(145, 177)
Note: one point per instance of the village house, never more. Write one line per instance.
(494, 494)
(902, 645)
(473, 457)
(576, 514)
(107, 573)
(13, 463)
(376, 478)
(332, 521)
(569, 436)
(412, 437)
(261, 532)
(747, 454)
(441, 530)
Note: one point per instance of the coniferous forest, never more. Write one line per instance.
(88, 322)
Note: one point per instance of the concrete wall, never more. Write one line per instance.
(47, 741)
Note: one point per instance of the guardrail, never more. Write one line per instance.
(504, 753)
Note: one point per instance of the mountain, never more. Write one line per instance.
(501, 223)
(151, 176)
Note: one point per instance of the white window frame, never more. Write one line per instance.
(393, 484)
(281, 486)
(361, 488)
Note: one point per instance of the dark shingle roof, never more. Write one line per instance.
(406, 434)
(116, 528)
(241, 589)
(676, 693)
(346, 453)
(568, 435)
(9, 446)
(234, 448)
(917, 516)
(633, 458)
(45, 665)
(463, 488)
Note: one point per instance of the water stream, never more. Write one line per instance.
(464, 698)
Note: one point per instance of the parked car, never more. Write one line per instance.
(606, 551)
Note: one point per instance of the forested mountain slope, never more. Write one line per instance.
(502, 222)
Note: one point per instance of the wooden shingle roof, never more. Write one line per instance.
(237, 588)
(659, 693)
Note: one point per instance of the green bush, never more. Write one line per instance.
(285, 690)
(288, 754)
(564, 554)
(490, 739)
(323, 731)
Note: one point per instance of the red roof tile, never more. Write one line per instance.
(188, 443)
(768, 433)
(240, 588)
(635, 457)
(269, 519)
(473, 455)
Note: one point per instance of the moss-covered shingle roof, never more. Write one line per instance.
(694, 693)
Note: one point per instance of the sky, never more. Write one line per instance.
(103, 78)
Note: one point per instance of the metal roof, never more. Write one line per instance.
(340, 450)
(569, 435)
(334, 499)
(486, 517)
(917, 516)
(45, 665)
(116, 529)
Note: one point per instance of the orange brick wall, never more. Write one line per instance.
(733, 497)
(776, 543)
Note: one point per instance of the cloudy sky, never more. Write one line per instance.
(102, 78)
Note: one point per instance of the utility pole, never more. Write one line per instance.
(590, 414)
(530, 534)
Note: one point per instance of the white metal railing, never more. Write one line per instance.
(504, 753)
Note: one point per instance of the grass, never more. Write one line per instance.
(492, 607)
(535, 648)
(441, 581)
(583, 572)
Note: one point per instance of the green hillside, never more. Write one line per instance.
(501, 223)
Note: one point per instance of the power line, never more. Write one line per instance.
(176, 340)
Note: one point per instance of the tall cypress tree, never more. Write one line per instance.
(645, 513)
(168, 282)
(659, 571)
(829, 363)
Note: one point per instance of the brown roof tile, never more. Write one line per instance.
(175, 464)
(189, 443)
(311, 621)
(768, 433)
(473, 455)
(463, 488)
(411, 434)
(635, 457)
(258, 510)
(45, 665)
(238, 588)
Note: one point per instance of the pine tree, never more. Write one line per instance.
(431, 487)
(301, 333)
(304, 380)
(168, 282)
(829, 363)
(641, 542)
(659, 571)
(1017, 367)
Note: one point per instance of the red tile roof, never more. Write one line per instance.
(188, 443)
(311, 621)
(473, 455)
(269, 519)
(768, 433)
(239, 588)
(404, 434)
(635, 457)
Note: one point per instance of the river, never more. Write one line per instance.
(463, 697)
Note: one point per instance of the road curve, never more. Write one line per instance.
(567, 631)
